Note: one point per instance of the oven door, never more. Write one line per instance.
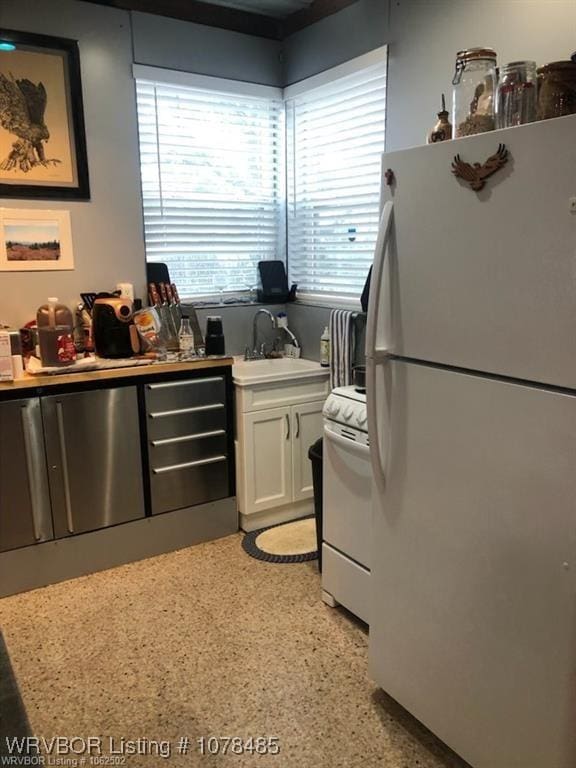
(347, 490)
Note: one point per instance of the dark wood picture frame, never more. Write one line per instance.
(68, 51)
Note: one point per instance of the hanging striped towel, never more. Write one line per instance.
(341, 347)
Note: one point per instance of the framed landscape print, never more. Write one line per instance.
(33, 240)
(42, 138)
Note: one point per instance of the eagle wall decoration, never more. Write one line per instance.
(22, 108)
(477, 174)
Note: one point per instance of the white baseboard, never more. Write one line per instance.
(269, 517)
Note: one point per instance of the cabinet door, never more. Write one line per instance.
(25, 516)
(94, 455)
(267, 459)
(306, 429)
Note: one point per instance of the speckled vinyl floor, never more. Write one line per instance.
(208, 642)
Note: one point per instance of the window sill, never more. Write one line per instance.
(328, 302)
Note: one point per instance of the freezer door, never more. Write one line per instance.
(473, 622)
(487, 280)
(94, 455)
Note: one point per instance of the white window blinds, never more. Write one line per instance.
(335, 134)
(213, 181)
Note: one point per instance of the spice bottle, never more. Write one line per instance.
(474, 87)
(186, 339)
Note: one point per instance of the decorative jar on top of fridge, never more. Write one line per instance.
(516, 95)
(473, 93)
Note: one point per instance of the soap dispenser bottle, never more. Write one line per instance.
(325, 348)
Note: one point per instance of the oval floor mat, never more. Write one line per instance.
(293, 542)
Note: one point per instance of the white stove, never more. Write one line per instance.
(347, 406)
(347, 503)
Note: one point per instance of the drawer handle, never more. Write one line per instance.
(65, 473)
(178, 411)
(27, 430)
(198, 463)
(191, 382)
(186, 438)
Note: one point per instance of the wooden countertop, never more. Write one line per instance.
(154, 369)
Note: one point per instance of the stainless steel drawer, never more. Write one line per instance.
(187, 442)
(180, 408)
(166, 452)
(179, 422)
(172, 395)
(189, 483)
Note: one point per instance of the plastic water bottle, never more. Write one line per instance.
(186, 339)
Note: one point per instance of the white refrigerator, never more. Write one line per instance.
(471, 374)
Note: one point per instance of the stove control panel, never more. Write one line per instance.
(346, 411)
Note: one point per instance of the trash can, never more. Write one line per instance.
(315, 456)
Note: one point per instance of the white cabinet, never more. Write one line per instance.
(306, 428)
(267, 459)
(274, 474)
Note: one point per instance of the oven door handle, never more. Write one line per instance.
(344, 442)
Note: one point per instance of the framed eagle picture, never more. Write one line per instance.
(42, 137)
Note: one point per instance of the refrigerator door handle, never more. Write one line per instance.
(377, 457)
(374, 303)
(376, 354)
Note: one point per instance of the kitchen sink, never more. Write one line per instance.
(248, 372)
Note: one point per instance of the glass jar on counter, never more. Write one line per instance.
(516, 94)
(474, 87)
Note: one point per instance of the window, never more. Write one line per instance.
(221, 160)
(212, 163)
(335, 138)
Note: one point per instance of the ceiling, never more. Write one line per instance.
(279, 9)
(274, 19)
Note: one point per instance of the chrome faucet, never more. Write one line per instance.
(255, 353)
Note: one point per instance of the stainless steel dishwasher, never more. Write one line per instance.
(94, 459)
(25, 516)
(187, 442)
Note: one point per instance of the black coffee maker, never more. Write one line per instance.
(214, 336)
(113, 329)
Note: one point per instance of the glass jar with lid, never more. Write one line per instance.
(516, 94)
(474, 87)
(557, 89)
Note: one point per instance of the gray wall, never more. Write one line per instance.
(237, 324)
(174, 44)
(307, 322)
(355, 30)
(107, 231)
(425, 35)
